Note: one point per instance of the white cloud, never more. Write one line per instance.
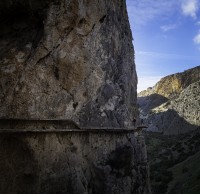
(166, 28)
(147, 81)
(197, 38)
(190, 8)
(141, 12)
(166, 55)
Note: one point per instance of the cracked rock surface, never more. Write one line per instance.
(172, 106)
(60, 61)
(67, 60)
(73, 163)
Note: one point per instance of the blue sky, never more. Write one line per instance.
(166, 37)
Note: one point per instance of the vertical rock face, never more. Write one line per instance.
(72, 163)
(171, 86)
(172, 105)
(67, 60)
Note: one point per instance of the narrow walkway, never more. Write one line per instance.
(56, 126)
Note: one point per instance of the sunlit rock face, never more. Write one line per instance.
(67, 60)
(171, 86)
(188, 104)
(175, 108)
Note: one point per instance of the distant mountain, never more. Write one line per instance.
(172, 106)
(171, 86)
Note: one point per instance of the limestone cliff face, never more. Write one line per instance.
(188, 104)
(173, 111)
(73, 163)
(172, 85)
(70, 60)
(177, 116)
(67, 60)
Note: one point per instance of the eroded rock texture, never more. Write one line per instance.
(70, 60)
(67, 60)
(73, 163)
(172, 85)
(174, 108)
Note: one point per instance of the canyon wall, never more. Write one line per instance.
(69, 61)
(172, 85)
(73, 163)
(172, 105)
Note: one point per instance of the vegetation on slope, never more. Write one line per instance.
(168, 157)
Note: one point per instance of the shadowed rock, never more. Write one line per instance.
(67, 60)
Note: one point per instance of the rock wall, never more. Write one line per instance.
(67, 60)
(188, 104)
(73, 163)
(171, 86)
(176, 111)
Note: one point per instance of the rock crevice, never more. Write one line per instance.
(68, 61)
(71, 52)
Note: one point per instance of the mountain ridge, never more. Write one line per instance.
(172, 105)
(179, 81)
